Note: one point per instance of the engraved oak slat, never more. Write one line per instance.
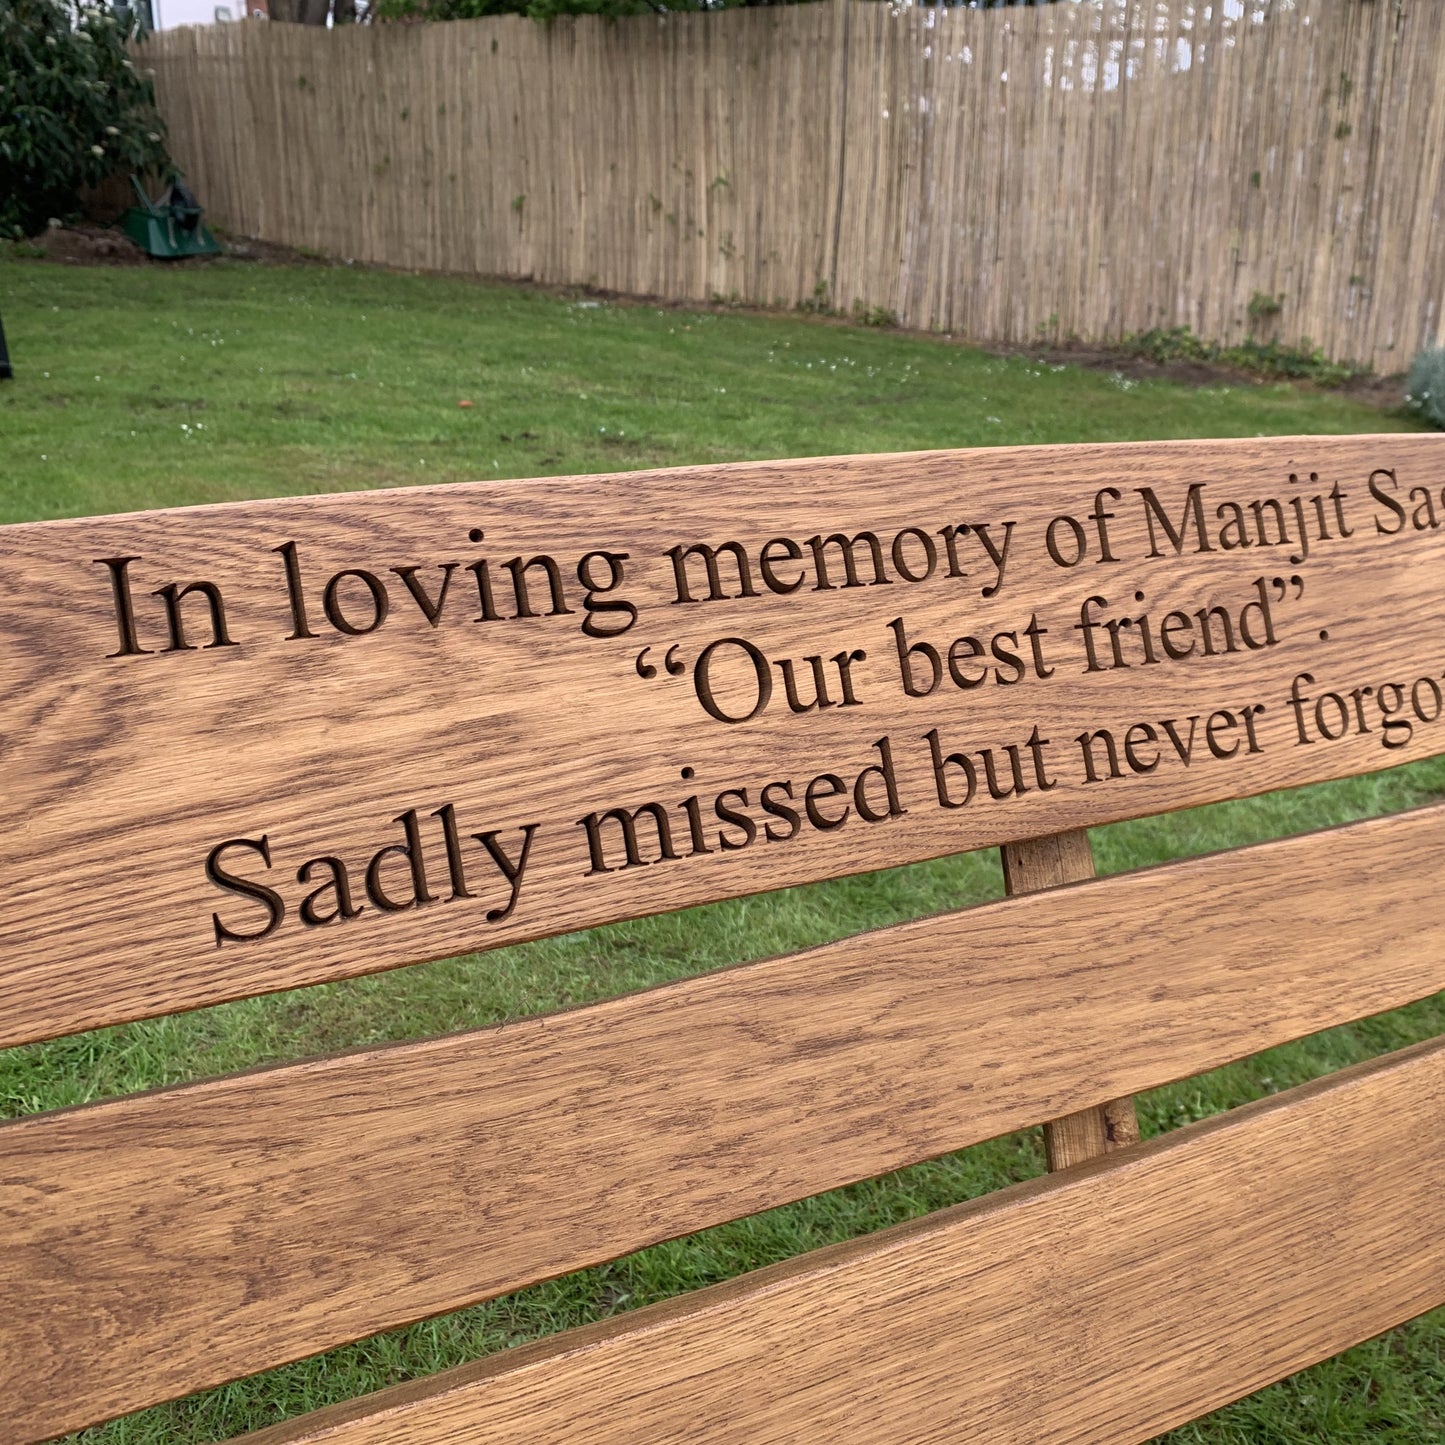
(180, 1238)
(227, 686)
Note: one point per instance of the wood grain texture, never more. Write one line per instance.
(1048, 862)
(129, 771)
(168, 1241)
(1236, 1252)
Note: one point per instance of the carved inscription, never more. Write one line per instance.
(347, 733)
(735, 681)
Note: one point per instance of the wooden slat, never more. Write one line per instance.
(1027, 868)
(164, 1242)
(1232, 1253)
(122, 774)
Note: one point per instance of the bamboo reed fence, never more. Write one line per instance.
(1086, 169)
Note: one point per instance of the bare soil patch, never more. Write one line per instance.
(1385, 392)
(88, 245)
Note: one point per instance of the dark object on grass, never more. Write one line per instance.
(6, 371)
(170, 227)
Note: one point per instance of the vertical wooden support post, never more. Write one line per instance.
(1045, 863)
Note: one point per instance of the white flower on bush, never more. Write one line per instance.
(97, 150)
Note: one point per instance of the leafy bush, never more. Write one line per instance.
(73, 109)
(1425, 386)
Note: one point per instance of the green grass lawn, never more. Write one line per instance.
(146, 388)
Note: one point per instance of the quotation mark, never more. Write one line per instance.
(1282, 587)
(674, 666)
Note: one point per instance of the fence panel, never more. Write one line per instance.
(1085, 169)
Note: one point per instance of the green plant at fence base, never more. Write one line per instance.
(866, 315)
(1260, 358)
(818, 303)
(1425, 386)
(74, 109)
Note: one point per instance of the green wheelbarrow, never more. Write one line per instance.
(170, 227)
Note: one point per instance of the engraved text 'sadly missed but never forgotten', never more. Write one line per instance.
(340, 734)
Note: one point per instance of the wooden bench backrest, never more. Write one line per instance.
(250, 747)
